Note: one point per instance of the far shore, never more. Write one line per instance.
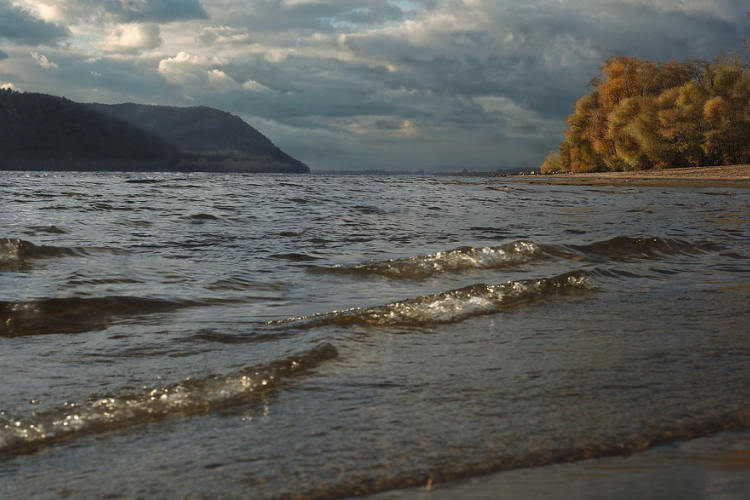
(720, 176)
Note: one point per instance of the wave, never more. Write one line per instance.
(192, 396)
(457, 260)
(18, 254)
(15, 251)
(454, 305)
(295, 257)
(648, 248)
(518, 254)
(621, 445)
(76, 314)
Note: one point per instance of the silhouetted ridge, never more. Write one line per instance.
(207, 137)
(44, 132)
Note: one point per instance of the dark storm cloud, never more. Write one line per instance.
(355, 13)
(131, 11)
(158, 11)
(549, 51)
(306, 87)
(21, 27)
(322, 17)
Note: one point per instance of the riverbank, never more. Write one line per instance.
(720, 176)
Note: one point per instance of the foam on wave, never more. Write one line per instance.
(192, 396)
(456, 260)
(518, 254)
(454, 305)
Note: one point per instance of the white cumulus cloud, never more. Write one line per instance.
(42, 60)
(192, 69)
(132, 38)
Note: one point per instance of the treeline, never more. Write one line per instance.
(642, 114)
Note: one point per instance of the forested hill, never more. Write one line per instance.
(202, 132)
(44, 132)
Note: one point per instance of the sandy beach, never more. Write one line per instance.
(720, 176)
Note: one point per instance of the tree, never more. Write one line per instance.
(634, 126)
(551, 163)
(682, 123)
(726, 112)
(643, 114)
(583, 128)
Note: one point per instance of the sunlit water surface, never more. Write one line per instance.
(240, 336)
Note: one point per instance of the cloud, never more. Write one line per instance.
(132, 38)
(334, 81)
(42, 60)
(254, 86)
(21, 27)
(220, 81)
(326, 16)
(193, 71)
(160, 11)
(223, 35)
(3, 55)
(119, 11)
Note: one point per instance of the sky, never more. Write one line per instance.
(347, 84)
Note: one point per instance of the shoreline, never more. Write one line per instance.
(707, 468)
(737, 176)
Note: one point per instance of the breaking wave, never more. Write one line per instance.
(518, 254)
(457, 260)
(192, 396)
(454, 305)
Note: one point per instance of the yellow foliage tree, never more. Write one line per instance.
(681, 121)
(643, 114)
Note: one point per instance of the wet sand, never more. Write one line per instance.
(710, 468)
(737, 176)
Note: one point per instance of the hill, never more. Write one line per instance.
(207, 137)
(44, 132)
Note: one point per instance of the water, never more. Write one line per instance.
(251, 336)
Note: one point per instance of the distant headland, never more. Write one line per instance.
(45, 132)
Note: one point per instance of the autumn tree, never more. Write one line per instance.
(681, 121)
(727, 115)
(634, 127)
(643, 114)
(585, 127)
